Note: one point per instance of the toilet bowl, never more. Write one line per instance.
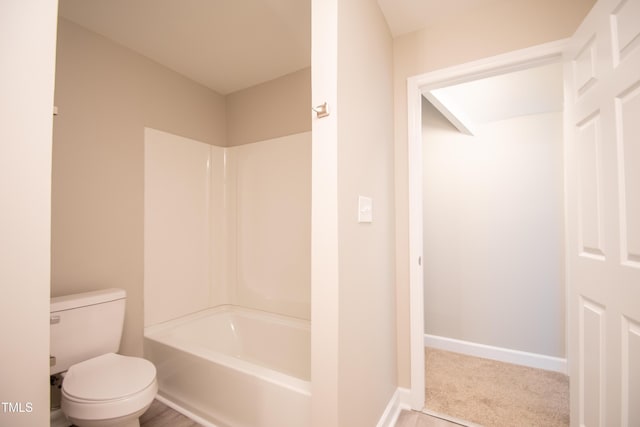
(108, 390)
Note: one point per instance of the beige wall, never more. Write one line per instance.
(106, 95)
(27, 49)
(499, 27)
(276, 108)
(367, 337)
(353, 367)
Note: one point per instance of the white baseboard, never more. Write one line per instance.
(398, 402)
(500, 354)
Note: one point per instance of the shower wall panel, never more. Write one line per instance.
(227, 226)
(177, 220)
(273, 224)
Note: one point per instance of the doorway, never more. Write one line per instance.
(417, 87)
(493, 249)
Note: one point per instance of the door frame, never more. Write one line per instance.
(416, 86)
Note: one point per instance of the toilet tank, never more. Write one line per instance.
(85, 325)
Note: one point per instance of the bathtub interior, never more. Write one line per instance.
(268, 340)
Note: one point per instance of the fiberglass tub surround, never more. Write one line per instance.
(227, 276)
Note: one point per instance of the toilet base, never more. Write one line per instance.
(132, 420)
(58, 419)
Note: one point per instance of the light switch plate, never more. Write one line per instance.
(365, 209)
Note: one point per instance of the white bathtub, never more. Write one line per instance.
(234, 367)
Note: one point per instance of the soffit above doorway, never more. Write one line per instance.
(535, 90)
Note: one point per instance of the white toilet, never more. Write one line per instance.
(100, 387)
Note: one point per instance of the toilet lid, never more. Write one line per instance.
(108, 377)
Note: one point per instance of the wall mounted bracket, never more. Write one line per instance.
(321, 110)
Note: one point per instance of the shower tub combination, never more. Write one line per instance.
(233, 366)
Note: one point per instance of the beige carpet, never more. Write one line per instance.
(492, 393)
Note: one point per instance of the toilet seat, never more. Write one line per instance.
(108, 386)
(107, 377)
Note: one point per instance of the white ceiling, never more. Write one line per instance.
(224, 45)
(405, 16)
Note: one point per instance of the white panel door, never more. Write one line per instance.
(602, 119)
